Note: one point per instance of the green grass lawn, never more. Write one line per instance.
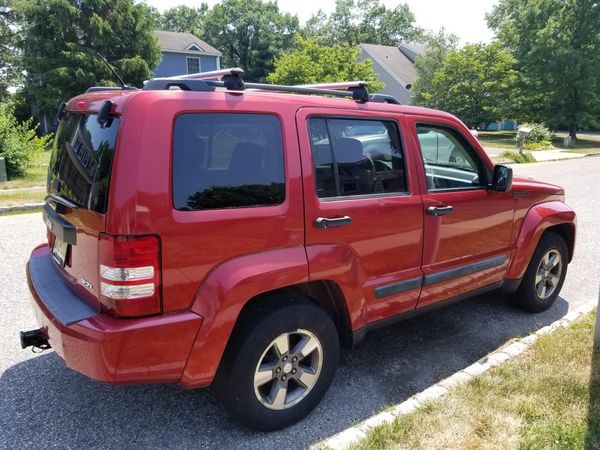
(35, 175)
(18, 198)
(498, 139)
(506, 139)
(548, 398)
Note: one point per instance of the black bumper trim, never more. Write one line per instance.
(54, 293)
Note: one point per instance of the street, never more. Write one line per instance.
(44, 404)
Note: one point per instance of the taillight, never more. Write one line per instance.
(130, 275)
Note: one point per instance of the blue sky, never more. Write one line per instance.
(466, 18)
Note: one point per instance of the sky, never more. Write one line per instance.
(466, 18)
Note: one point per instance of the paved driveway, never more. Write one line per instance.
(44, 404)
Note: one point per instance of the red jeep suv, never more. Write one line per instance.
(204, 230)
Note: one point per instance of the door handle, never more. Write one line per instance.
(323, 223)
(439, 210)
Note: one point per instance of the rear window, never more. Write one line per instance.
(81, 160)
(227, 161)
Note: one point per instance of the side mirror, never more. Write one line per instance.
(502, 180)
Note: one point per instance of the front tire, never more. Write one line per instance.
(545, 274)
(279, 364)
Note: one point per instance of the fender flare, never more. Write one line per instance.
(229, 287)
(538, 219)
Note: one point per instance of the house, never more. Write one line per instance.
(395, 66)
(184, 53)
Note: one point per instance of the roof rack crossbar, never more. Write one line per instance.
(232, 79)
(285, 88)
(215, 74)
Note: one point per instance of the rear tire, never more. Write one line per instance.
(279, 364)
(544, 276)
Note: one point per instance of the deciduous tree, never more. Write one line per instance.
(315, 63)
(250, 34)
(556, 44)
(183, 19)
(363, 21)
(475, 83)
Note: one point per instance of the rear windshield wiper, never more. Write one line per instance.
(61, 201)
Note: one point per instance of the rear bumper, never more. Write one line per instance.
(145, 350)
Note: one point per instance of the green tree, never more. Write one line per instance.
(363, 21)
(183, 19)
(19, 142)
(475, 83)
(437, 48)
(9, 73)
(250, 33)
(316, 63)
(556, 44)
(60, 39)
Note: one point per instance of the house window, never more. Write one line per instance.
(193, 65)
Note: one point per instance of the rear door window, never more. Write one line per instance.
(227, 161)
(81, 160)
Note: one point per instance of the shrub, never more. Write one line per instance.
(19, 142)
(518, 157)
(540, 137)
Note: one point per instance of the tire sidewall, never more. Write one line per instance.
(236, 382)
(527, 292)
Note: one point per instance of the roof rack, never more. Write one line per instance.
(232, 79)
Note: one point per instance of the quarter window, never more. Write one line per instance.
(449, 161)
(227, 161)
(356, 157)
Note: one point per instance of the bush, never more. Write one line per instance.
(540, 137)
(519, 158)
(19, 142)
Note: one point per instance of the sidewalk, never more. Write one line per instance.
(540, 155)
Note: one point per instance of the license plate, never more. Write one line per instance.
(59, 251)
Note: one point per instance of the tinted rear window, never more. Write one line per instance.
(81, 160)
(227, 161)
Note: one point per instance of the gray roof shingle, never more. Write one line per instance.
(394, 61)
(180, 42)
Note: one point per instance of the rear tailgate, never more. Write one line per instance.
(78, 183)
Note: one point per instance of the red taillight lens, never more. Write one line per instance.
(130, 275)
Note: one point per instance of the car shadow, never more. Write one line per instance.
(44, 404)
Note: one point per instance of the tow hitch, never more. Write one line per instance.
(35, 338)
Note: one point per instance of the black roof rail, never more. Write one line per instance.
(232, 79)
(110, 88)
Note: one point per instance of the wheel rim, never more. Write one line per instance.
(548, 274)
(288, 369)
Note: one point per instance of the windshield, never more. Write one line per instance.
(81, 160)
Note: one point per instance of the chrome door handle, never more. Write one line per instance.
(439, 210)
(323, 223)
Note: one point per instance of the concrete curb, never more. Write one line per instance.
(24, 207)
(352, 435)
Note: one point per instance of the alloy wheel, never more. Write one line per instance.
(288, 369)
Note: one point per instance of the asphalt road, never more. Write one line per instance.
(44, 404)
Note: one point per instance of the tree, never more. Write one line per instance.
(474, 83)
(556, 45)
(9, 73)
(250, 33)
(60, 39)
(183, 19)
(437, 47)
(363, 21)
(315, 63)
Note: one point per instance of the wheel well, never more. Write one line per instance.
(567, 232)
(325, 294)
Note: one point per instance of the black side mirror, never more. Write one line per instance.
(502, 180)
